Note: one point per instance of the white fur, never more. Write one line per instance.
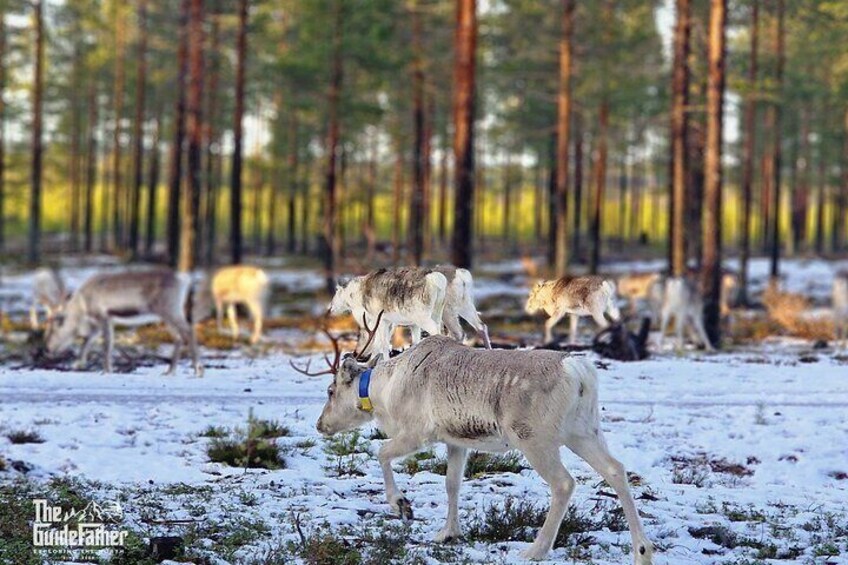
(840, 309)
(599, 304)
(48, 292)
(683, 302)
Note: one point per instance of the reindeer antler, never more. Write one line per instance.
(333, 365)
(371, 333)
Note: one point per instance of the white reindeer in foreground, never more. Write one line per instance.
(579, 296)
(48, 291)
(683, 302)
(840, 308)
(406, 297)
(105, 297)
(241, 284)
(440, 391)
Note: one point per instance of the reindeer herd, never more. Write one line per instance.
(438, 390)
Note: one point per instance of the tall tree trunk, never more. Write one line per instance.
(578, 184)
(563, 131)
(748, 155)
(443, 186)
(292, 171)
(711, 262)
(679, 157)
(776, 108)
(194, 132)
(153, 185)
(277, 169)
(138, 134)
(397, 199)
(2, 133)
(463, 146)
(330, 241)
(369, 229)
(76, 127)
(801, 186)
(117, 131)
(176, 173)
(552, 208)
(236, 250)
(842, 195)
(34, 249)
(507, 200)
(416, 201)
(212, 141)
(91, 166)
(600, 183)
(822, 186)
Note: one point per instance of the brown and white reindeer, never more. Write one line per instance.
(589, 295)
(682, 301)
(840, 308)
(241, 284)
(103, 298)
(48, 292)
(407, 296)
(441, 391)
(640, 288)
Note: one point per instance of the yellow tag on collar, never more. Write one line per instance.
(365, 404)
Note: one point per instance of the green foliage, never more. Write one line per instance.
(347, 451)
(251, 448)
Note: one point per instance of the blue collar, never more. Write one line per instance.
(364, 399)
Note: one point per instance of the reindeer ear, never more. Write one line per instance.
(374, 360)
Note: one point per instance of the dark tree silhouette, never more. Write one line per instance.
(34, 249)
(236, 249)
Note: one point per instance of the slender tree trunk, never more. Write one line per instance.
(842, 196)
(330, 241)
(822, 188)
(563, 132)
(552, 208)
(538, 199)
(776, 148)
(369, 229)
(153, 185)
(463, 147)
(117, 131)
(138, 134)
(236, 250)
(578, 184)
(212, 141)
(711, 278)
(748, 155)
(397, 203)
(443, 186)
(427, 157)
(34, 249)
(2, 133)
(416, 201)
(76, 127)
(801, 185)
(507, 199)
(276, 173)
(91, 166)
(292, 178)
(306, 224)
(176, 173)
(679, 157)
(600, 183)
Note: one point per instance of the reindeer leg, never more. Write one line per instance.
(219, 313)
(453, 480)
(255, 313)
(391, 449)
(231, 316)
(593, 450)
(33, 318)
(549, 326)
(453, 326)
(572, 332)
(702, 333)
(545, 460)
(82, 362)
(108, 338)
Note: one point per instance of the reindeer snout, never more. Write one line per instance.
(320, 426)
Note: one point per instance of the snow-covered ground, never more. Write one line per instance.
(742, 457)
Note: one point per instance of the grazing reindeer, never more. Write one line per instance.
(105, 297)
(492, 400)
(682, 301)
(241, 284)
(840, 308)
(459, 303)
(48, 291)
(579, 296)
(409, 297)
(638, 287)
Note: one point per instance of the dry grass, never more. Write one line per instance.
(786, 310)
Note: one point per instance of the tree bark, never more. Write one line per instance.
(34, 248)
(91, 166)
(153, 185)
(76, 127)
(416, 201)
(236, 250)
(463, 148)
(748, 155)
(801, 186)
(711, 262)
(176, 173)
(776, 108)
(118, 115)
(578, 184)
(212, 141)
(563, 132)
(138, 134)
(397, 199)
(194, 132)
(2, 133)
(330, 240)
(679, 157)
(443, 186)
(600, 183)
(291, 240)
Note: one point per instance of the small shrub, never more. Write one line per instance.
(514, 521)
(215, 431)
(417, 462)
(348, 451)
(377, 433)
(485, 464)
(718, 534)
(24, 436)
(253, 448)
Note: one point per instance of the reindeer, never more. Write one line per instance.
(840, 308)
(682, 301)
(459, 303)
(589, 295)
(241, 284)
(48, 291)
(441, 391)
(105, 297)
(639, 287)
(409, 296)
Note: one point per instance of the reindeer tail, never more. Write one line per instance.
(437, 284)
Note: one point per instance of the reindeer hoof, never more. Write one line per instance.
(533, 554)
(447, 535)
(404, 509)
